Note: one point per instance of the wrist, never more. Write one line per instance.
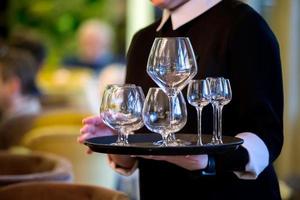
(210, 169)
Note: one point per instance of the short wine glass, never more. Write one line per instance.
(156, 115)
(138, 124)
(198, 95)
(121, 109)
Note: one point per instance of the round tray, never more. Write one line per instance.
(142, 144)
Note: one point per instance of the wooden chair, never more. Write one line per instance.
(15, 168)
(51, 191)
(62, 140)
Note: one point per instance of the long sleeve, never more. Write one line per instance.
(255, 74)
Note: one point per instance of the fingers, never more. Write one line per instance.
(96, 120)
(89, 151)
(86, 132)
(83, 137)
(87, 129)
(154, 157)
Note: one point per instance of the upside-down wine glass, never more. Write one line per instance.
(121, 109)
(171, 65)
(156, 114)
(198, 95)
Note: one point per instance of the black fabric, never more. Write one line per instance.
(233, 41)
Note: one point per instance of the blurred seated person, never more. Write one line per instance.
(19, 102)
(94, 46)
(31, 44)
(111, 74)
(34, 46)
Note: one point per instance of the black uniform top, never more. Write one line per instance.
(233, 41)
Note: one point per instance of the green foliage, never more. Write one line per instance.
(56, 21)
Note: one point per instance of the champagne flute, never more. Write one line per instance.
(156, 115)
(198, 95)
(171, 65)
(121, 109)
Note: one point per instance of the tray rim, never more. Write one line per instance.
(169, 150)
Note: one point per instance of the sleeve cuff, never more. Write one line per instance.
(121, 170)
(258, 156)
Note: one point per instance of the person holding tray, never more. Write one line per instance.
(230, 40)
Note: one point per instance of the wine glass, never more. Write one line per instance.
(171, 65)
(227, 96)
(216, 91)
(139, 124)
(156, 114)
(198, 95)
(121, 109)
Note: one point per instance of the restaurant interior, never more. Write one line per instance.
(48, 157)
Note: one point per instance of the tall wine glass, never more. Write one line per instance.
(156, 114)
(226, 98)
(121, 109)
(171, 65)
(217, 91)
(198, 95)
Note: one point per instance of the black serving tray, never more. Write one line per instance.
(142, 144)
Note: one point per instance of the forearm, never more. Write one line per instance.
(122, 164)
(124, 161)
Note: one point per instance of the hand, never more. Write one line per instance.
(93, 127)
(195, 162)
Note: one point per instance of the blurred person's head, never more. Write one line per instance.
(33, 45)
(94, 40)
(168, 4)
(17, 77)
(112, 74)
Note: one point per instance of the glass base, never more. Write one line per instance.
(166, 144)
(121, 141)
(176, 142)
(215, 141)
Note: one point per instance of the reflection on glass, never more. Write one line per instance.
(198, 95)
(171, 65)
(121, 109)
(156, 114)
(220, 95)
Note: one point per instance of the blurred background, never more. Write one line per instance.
(71, 76)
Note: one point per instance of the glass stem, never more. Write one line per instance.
(164, 139)
(215, 123)
(122, 137)
(199, 112)
(220, 109)
(125, 138)
(172, 98)
(171, 138)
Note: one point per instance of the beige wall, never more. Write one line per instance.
(285, 21)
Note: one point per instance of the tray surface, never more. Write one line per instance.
(142, 144)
